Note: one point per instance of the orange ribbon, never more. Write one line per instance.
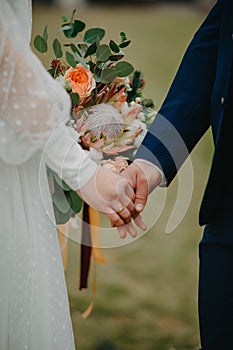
(92, 248)
(63, 234)
(96, 252)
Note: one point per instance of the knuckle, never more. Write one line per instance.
(141, 195)
(118, 222)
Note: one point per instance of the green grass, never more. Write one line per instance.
(147, 290)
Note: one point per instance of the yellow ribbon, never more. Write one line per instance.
(63, 234)
(94, 218)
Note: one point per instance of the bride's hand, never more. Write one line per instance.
(112, 195)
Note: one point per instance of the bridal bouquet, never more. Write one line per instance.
(109, 112)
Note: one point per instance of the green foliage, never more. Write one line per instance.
(57, 48)
(66, 202)
(100, 56)
(40, 44)
(103, 53)
(105, 61)
(75, 202)
(45, 33)
(135, 87)
(113, 46)
(75, 99)
(61, 200)
(93, 34)
(108, 74)
(71, 59)
(124, 69)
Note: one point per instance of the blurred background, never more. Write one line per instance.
(146, 295)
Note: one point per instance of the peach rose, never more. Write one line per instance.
(81, 80)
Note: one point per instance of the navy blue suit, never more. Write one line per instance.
(201, 97)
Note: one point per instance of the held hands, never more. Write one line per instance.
(122, 198)
(112, 195)
(143, 178)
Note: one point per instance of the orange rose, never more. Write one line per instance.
(81, 80)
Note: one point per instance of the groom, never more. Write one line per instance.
(200, 97)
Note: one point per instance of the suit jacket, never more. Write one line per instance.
(199, 98)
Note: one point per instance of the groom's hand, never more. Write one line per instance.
(143, 177)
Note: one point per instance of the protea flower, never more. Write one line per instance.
(103, 121)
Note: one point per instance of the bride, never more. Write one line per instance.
(34, 308)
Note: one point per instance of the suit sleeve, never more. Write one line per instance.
(184, 116)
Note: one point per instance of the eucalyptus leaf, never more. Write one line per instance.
(45, 33)
(124, 69)
(72, 16)
(81, 60)
(91, 50)
(97, 73)
(52, 71)
(98, 79)
(76, 202)
(40, 44)
(60, 200)
(78, 27)
(71, 59)
(60, 182)
(75, 49)
(115, 58)
(92, 34)
(108, 75)
(92, 66)
(57, 48)
(114, 47)
(74, 99)
(125, 44)
(64, 18)
(123, 36)
(82, 47)
(60, 217)
(103, 52)
(67, 29)
(97, 41)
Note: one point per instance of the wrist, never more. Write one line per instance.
(153, 174)
(144, 162)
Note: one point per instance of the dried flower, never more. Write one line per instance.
(58, 66)
(104, 121)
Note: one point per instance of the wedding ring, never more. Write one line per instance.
(120, 210)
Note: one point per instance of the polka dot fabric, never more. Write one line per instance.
(34, 304)
(32, 103)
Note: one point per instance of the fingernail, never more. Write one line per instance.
(139, 207)
(144, 227)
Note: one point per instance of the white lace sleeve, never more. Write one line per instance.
(34, 107)
(32, 103)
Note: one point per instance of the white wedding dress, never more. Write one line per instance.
(34, 307)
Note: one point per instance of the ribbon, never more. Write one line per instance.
(90, 247)
(86, 248)
(63, 234)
